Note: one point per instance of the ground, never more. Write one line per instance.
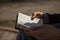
(8, 11)
(7, 35)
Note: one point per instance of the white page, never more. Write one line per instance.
(26, 21)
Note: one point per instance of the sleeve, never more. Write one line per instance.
(51, 18)
(46, 18)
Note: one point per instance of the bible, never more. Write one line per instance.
(24, 21)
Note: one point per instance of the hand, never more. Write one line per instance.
(36, 15)
(40, 15)
(46, 32)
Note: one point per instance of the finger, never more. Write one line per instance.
(38, 28)
(36, 15)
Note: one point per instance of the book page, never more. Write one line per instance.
(26, 21)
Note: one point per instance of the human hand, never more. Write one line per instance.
(40, 15)
(44, 32)
(36, 15)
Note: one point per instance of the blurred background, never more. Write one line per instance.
(9, 9)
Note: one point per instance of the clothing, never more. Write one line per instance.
(53, 20)
(23, 36)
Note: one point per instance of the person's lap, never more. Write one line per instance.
(23, 36)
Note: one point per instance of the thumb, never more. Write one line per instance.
(39, 27)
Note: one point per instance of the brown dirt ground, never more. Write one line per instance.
(8, 11)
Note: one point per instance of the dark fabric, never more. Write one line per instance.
(57, 25)
(53, 20)
(23, 36)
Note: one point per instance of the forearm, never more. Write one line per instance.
(58, 35)
(54, 36)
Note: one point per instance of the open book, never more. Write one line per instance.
(24, 21)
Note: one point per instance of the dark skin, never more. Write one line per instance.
(47, 32)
